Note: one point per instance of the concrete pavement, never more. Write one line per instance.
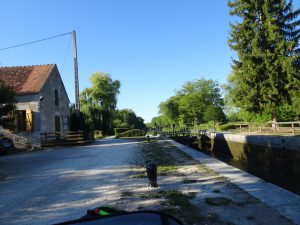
(60, 184)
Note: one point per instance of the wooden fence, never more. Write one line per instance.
(66, 138)
(271, 127)
(267, 128)
(175, 134)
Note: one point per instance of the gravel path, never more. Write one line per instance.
(61, 184)
(191, 191)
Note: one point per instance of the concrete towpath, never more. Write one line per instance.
(283, 201)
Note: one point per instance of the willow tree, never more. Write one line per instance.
(98, 102)
(266, 39)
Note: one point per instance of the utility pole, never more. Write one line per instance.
(77, 102)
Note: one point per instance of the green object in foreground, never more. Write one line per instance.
(103, 213)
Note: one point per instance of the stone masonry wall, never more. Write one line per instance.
(48, 108)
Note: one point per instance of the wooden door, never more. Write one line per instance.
(28, 121)
(57, 123)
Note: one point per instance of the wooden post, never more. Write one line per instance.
(77, 102)
(240, 128)
(249, 127)
(293, 129)
(260, 128)
(46, 138)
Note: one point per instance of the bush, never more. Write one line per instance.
(207, 126)
(77, 121)
(98, 134)
(131, 133)
(120, 131)
(227, 126)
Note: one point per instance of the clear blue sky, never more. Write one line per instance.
(152, 46)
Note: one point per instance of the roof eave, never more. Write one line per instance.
(26, 93)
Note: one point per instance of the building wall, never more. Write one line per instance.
(31, 102)
(48, 109)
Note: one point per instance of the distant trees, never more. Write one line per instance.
(266, 75)
(126, 118)
(7, 104)
(98, 102)
(196, 102)
(169, 111)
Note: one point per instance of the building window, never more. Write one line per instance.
(66, 122)
(56, 96)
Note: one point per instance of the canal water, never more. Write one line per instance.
(283, 180)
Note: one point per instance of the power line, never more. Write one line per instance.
(32, 42)
(66, 54)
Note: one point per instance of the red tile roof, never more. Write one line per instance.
(26, 79)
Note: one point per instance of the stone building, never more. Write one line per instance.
(42, 101)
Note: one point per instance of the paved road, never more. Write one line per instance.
(61, 184)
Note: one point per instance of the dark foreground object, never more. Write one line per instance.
(110, 216)
(6, 145)
(152, 174)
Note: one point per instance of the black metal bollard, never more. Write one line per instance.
(148, 138)
(152, 174)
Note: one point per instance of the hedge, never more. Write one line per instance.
(131, 133)
(120, 131)
(227, 126)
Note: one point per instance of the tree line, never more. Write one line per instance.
(263, 85)
(197, 101)
(98, 108)
(265, 80)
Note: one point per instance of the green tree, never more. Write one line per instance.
(266, 40)
(170, 110)
(98, 102)
(215, 114)
(196, 98)
(197, 101)
(126, 118)
(158, 121)
(7, 105)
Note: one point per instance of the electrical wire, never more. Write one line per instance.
(32, 42)
(67, 53)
